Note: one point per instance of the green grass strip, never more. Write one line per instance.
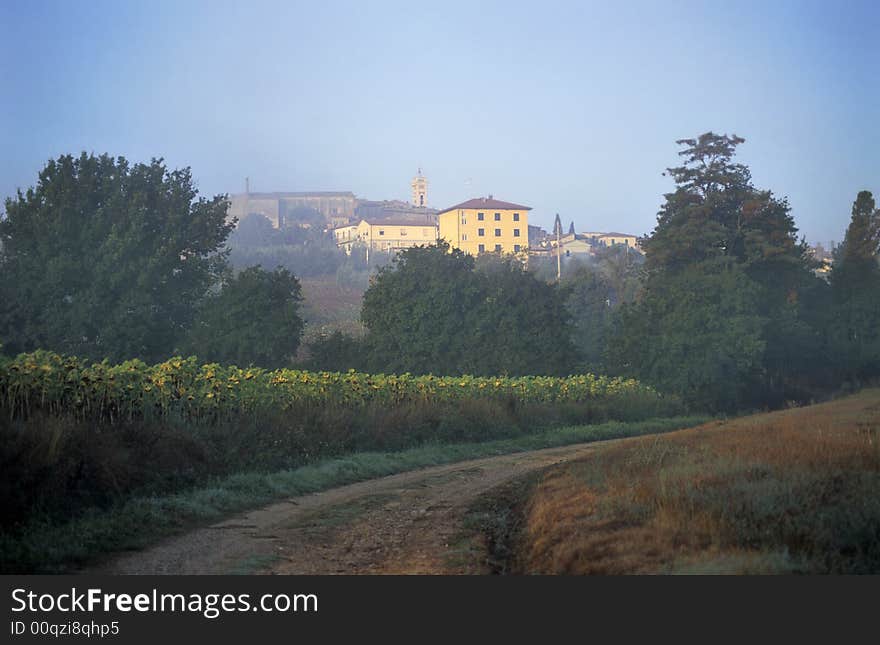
(139, 522)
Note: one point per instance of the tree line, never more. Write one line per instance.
(104, 259)
(107, 259)
(731, 312)
(727, 309)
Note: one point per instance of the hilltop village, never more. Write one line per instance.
(477, 225)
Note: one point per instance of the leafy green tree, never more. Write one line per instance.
(717, 231)
(433, 312)
(622, 269)
(698, 334)
(716, 212)
(855, 288)
(254, 230)
(107, 259)
(522, 326)
(861, 245)
(590, 300)
(338, 352)
(594, 288)
(420, 312)
(253, 320)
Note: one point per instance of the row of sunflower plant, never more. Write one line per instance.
(186, 389)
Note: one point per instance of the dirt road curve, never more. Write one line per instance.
(404, 523)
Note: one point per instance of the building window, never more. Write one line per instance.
(463, 220)
(481, 216)
(516, 217)
(481, 232)
(481, 248)
(516, 232)
(516, 248)
(464, 237)
(497, 232)
(403, 232)
(497, 217)
(381, 232)
(497, 247)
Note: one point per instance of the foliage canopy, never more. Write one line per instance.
(855, 288)
(722, 319)
(107, 259)
(253, 320)
(435, 311)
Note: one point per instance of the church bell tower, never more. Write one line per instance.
(419, 186)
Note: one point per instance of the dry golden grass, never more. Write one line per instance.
(790, 491)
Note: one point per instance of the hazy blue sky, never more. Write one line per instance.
(566, 107)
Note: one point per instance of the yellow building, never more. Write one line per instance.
(486, 225)
(385, 235)
(611, 239)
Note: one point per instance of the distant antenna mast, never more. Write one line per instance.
(558, 226)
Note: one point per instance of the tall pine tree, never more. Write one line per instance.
(721, 317)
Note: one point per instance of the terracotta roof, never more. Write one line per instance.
(488, 203)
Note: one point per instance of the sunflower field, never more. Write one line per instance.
(183, 389)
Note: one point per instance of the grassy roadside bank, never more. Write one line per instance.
(45, 547)
(793, 491)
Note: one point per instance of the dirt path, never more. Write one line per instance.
(404, 523)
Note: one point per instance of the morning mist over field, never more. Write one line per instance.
(572, 288)
(570, 108)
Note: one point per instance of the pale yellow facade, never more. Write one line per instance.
(615, 238)
(385, 236)
(486, 229)
(611, 239)
(345, 236)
